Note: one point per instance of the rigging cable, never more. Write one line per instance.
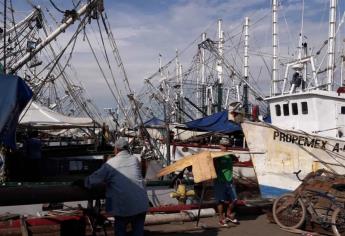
(103, 73)
(56, 8)
(116, 52)
(106, 58)
(111, 71)
(73, 39)
(79, 100)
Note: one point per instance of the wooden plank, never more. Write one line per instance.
(203, 168)
(202, 165)
(178, 165)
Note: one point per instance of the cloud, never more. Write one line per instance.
(145, 29)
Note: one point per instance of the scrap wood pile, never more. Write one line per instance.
(324, 182)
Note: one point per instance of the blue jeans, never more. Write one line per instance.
(225, 191)
(136, 221)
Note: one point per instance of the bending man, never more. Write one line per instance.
(126, 197)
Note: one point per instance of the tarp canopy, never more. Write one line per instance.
(15, 94)
(39, 116)
(217, 122)
(154, 122)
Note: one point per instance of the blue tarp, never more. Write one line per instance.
(154, 122)
(217, 122)
(268, 119)
(15, 95)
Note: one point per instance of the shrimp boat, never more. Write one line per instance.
(307, 120)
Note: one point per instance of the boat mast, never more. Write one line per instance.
(35, 13)
(181, 93)
(246, 59)
(220, 65)
(166, 112)
(178, 89)
(331, 44)
(275, 47)
(181, 79)
(177, 65)
(61, 29)
(203, 79)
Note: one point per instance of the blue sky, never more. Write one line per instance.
(145, 28)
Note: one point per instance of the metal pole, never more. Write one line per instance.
(5, 48)
(220, 65)
(195, 106)
(200, 204)
(166, 114)
(160, 66)
(341, 71)
(275, 47)
(178, 95)
(203, 79)
(331, 43)
(181, 93)
(246, 57)
(305, 50)
(198, 90)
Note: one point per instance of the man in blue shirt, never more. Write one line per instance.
(126, 197)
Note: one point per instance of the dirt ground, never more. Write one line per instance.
(250, 225)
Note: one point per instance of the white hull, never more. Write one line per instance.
(283, 152)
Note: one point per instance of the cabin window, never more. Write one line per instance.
(278, 111)
(304, 108)
(294, 109)
(342, 111)
(286, 109)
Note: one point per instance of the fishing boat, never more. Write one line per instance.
(306, 131)
(46, 142)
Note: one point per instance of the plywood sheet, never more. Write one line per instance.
(202, 165)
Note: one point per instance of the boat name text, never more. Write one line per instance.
(301, 140)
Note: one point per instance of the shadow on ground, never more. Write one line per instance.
(205, 232)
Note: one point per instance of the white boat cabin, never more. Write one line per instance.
(317, 111)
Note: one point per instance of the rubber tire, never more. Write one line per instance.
(276, 219)
(334, 219)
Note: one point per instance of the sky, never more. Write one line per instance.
(145, 29)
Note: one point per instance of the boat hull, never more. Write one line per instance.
(279, 153)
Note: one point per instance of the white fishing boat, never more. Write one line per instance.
(307, 119)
